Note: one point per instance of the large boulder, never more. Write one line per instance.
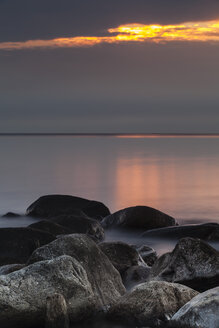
(103, 277)
(54, 205)
(122, 255)
(201, 311)
(138, 217)
(23, 294)
(150, 302)
(78, 224)
(17, 244)
(192, 262)
(207, 231)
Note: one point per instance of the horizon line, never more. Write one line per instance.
(141, 134)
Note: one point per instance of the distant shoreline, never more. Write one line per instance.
(119, 135)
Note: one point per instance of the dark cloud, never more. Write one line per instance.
(32, 19)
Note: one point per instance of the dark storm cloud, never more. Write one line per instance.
(44, 19)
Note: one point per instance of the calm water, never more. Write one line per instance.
(177, 175)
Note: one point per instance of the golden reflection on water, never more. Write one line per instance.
(166, 184)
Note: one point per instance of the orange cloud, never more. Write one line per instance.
(192, 31)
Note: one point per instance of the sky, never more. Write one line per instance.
(131, 66)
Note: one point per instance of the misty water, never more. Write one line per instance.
(177, 175)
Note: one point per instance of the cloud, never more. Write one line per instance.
(50, 19)
(190, 31)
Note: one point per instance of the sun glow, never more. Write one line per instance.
(191, 32)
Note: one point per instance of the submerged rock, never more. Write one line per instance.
(11, 215)
(51, 227)
(207, 231)
(201, 311)
(23, 294)
(103, 277)
(78, 224)
(122, 255)
(151, 302)
(138, 217)
(55, 205)
(17, 244)
(192, 262)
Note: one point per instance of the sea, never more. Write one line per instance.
(176, 174)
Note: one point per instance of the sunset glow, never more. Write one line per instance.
(191, 31)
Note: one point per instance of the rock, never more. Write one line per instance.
(135, 275)
(9, 268)
(55, 205)
(150, 302)
(193, 263)
(103, 277)
(201, 311)
(148, 254)
(10, 215)
(23, 294)
(78, 224)
(17, 244)
(56, 312)
(121, 255)
(139, 217)
(51, 227)
(207, 231)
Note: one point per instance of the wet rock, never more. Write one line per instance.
(201, 311)
(17, 244)
(78, 224)
(56, 312)
(193, 263)
(55, 205)
(122, 255)
(150, 303)
(11, 215)
(51, 227)
(139, 217)
(135, 275)
(23, 293)
(207, 231)
(148, 254)
(103, 277)
(9, 268)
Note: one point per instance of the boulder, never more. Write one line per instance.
(24, 293)
(201, 311)
(135, 275)
(193, 263)
(122, 255)
(54, 205)
(138, 217)
(9, 268)
(150, 302)
(207, 231)
(103, 277)
(148, 254)
(17, 244)
(50, 227)
(77, 224)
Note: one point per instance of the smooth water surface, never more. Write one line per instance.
(177, 175)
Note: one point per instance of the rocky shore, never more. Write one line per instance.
(60, 272)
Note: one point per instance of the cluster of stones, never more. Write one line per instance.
(59, 271)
